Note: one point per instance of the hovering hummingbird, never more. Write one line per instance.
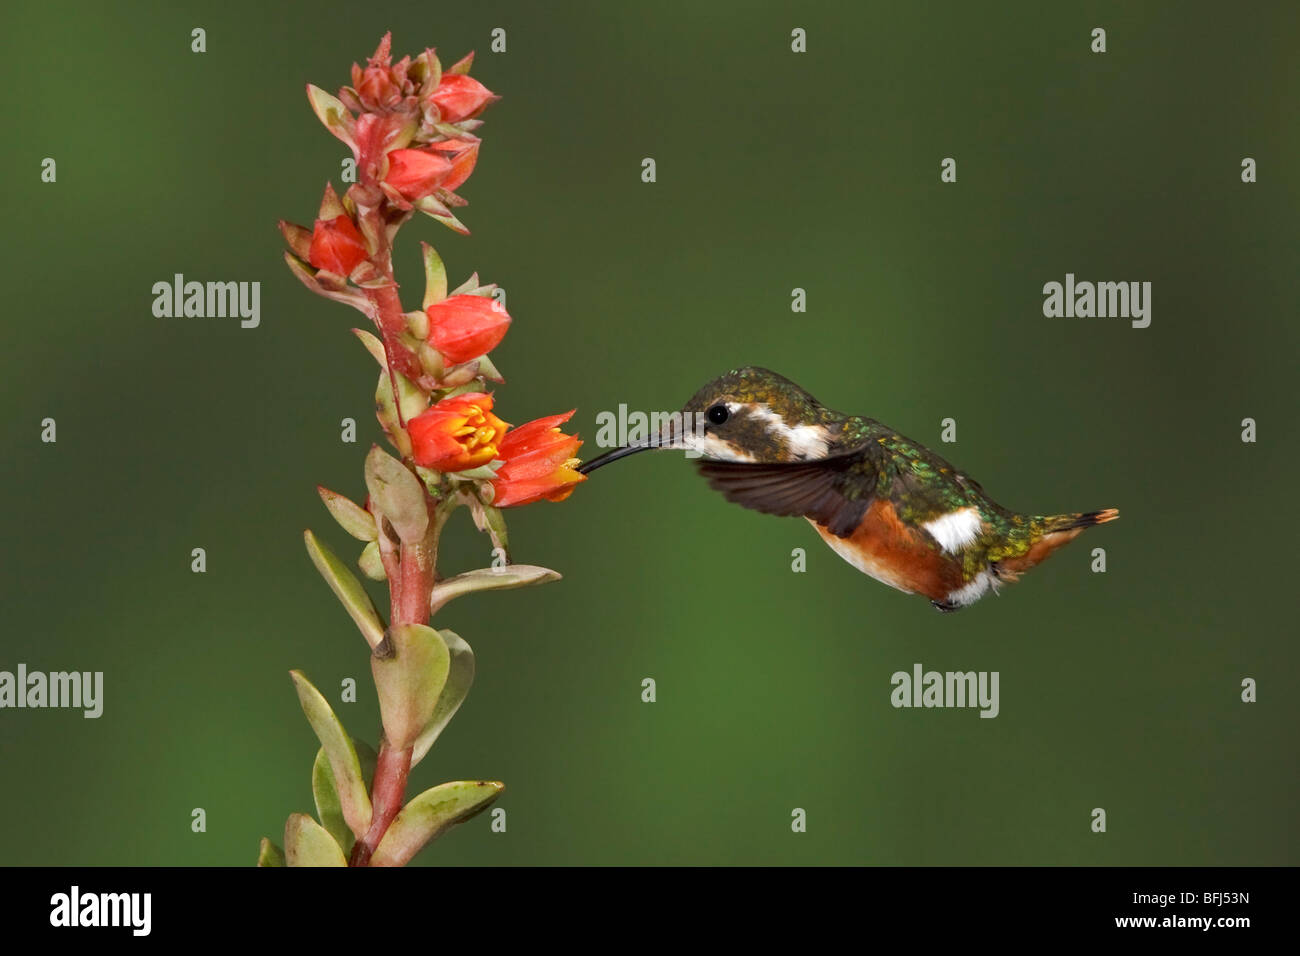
(884, 503)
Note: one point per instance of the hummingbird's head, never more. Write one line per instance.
(750, 414)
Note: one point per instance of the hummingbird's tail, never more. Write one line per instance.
(1048, 534)
(1080, 521)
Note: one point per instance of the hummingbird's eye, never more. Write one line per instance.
(718, 414)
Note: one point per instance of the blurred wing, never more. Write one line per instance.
(829, 491)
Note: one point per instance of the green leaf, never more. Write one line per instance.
(495, 520)
(433, 481)
(308, 278)
(268, 854)
(481, 473)
(298, 237)
(328, 805)
(429, 814)
(430, 360)
(488, 370)
(425, 71)
(417, 323)
(371, 563)
(389, 420)
(490, 579)
(331, 207)
(352, 518)
(349, 781)
(410, 670)
(435, 74)
(413, 402)
(331, 111)
(307, 843)
(468, 287)
(435, 276)
(397, 494)
(431, 207)
(463, 64)
(460, 675)
(347, 589)
(373, 346)
(465, 373)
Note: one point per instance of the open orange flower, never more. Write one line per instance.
(457, 434)
(538, 463)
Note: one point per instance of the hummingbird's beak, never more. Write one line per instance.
(663, 440)
(587, 467)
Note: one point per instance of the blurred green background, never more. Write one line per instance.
(775, 171)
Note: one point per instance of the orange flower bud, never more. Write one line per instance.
(464, 327)
(459, 97)
(539, 463)
(337, 246)
(416, 173)
(457, 434)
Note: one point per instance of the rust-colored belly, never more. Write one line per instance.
(894, 554)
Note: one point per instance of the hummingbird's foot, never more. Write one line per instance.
(945, 606)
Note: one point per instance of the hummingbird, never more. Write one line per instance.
(884, 503)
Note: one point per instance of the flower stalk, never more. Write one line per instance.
(412, 129)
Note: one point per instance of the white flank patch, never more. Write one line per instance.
(972, 592)
(804, 441)
(956, 529)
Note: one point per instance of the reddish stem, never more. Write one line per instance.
(391, 322)
(410, 593)
(410, 576)
(386, 800)
(411, 580)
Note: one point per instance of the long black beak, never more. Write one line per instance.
(664, 440)
(588, 467)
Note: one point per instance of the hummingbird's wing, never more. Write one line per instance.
(834, 492)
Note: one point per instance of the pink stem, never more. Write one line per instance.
(389, 789)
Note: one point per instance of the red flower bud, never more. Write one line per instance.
(538, 463)
(416, 173)
(463, 156)
(464, 327)
(457, 434)
(382, 84)
(459, 97)
(337, 246)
